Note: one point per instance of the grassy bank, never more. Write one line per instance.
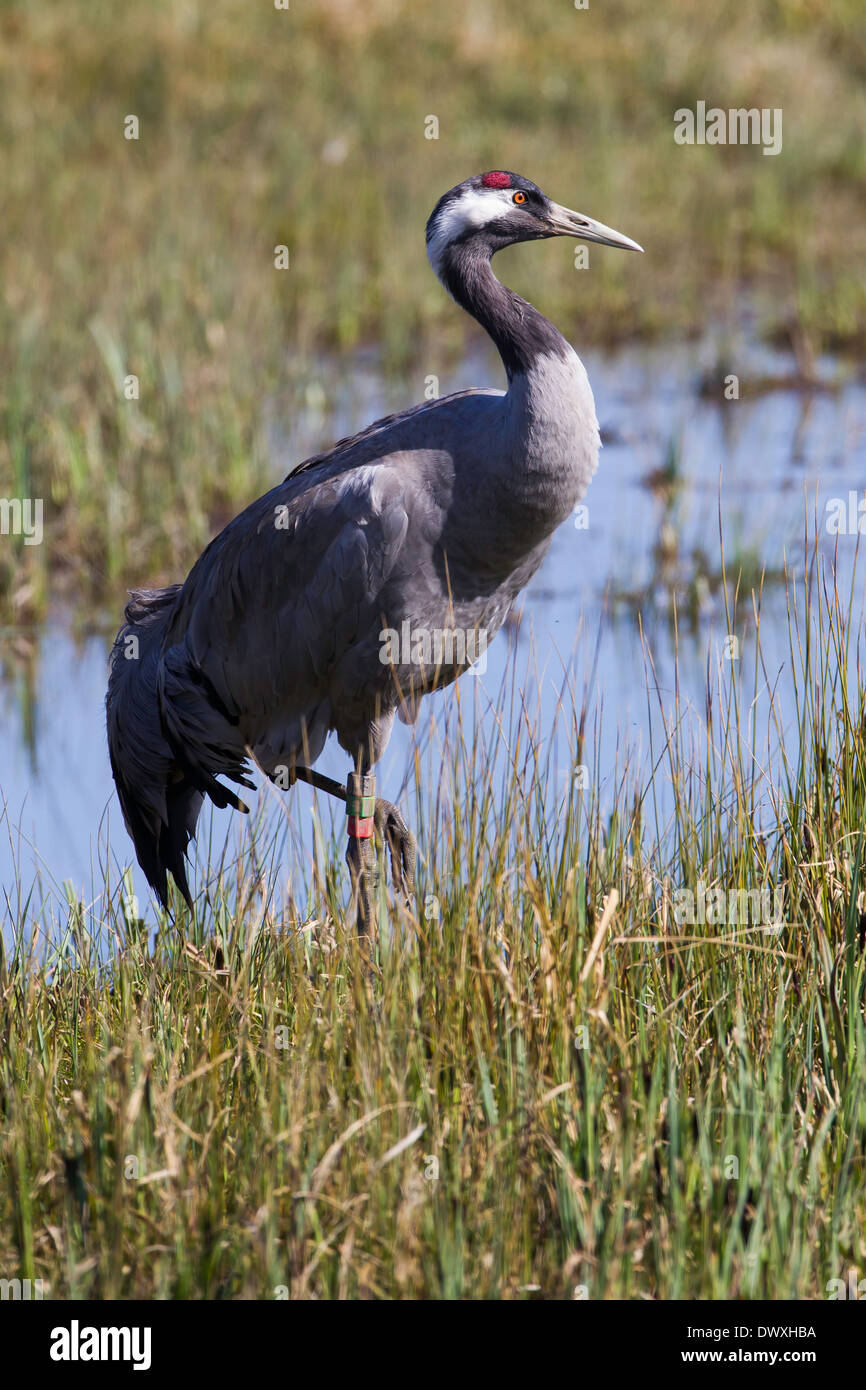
(547, 1083)
(154, 257)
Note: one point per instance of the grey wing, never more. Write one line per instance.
(278, 622)
(354, 449)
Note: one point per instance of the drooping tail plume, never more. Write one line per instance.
(160, 805)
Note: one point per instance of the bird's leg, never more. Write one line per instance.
(317, 780)
(361, 851)
(367, 813)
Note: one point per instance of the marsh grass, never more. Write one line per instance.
(542, 1084)
(306, 128)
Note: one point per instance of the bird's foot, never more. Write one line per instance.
(395, 833)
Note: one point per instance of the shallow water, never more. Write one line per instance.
(763, 463)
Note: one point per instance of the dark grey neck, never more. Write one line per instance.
(520, 332)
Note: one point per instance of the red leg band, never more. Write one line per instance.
(361, 827)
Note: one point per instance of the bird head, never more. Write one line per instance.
(499, 208)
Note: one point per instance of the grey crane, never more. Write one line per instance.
(428, 522)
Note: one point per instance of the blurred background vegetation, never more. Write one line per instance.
(561, 1165)
(307, 127)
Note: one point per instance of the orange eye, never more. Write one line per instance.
(519, 198)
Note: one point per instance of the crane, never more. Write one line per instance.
(371, 575)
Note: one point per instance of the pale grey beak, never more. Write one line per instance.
(564, 222)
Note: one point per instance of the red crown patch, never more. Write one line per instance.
(496, 180)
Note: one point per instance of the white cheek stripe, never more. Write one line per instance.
(468, 212)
